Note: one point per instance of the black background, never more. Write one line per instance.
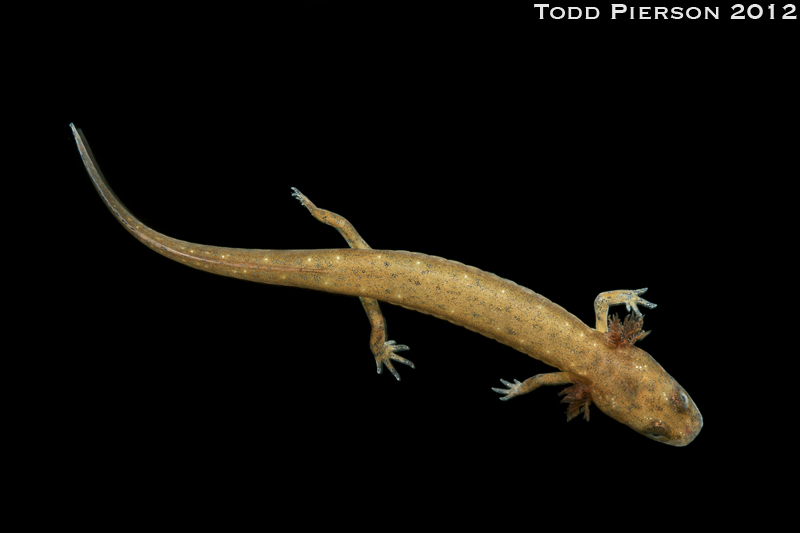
(571, 157)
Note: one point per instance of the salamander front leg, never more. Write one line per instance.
(531, 384)
(631, 299)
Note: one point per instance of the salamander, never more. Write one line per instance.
(600, 366)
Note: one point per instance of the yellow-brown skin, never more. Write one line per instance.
(623, 381)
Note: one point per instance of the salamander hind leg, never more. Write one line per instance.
(384, 350)
(332, 219)
(604, 300)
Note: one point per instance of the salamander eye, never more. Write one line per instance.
(657, 431)
(680, 400)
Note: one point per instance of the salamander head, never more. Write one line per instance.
(674, 420)
(640, 394)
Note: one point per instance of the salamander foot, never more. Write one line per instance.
(514, 389)
(386, 354)
(300, 196)
(631, 299)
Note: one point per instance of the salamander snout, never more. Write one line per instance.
(680, 422)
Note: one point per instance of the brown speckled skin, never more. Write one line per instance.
(625, 382)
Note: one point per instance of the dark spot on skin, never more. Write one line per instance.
(630, 386)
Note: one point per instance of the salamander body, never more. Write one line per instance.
(600, 365)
